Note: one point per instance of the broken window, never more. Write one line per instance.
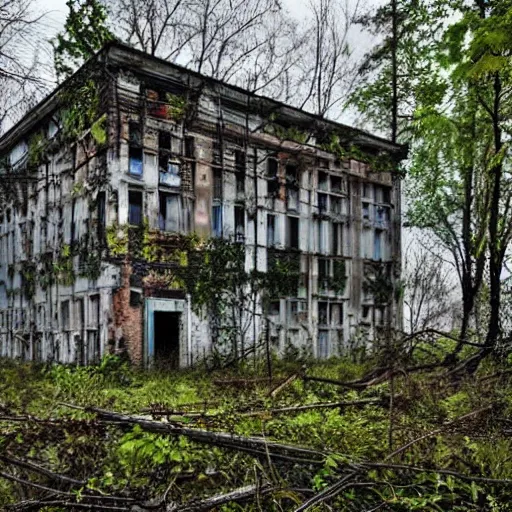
(135, 152)
(336, 186)
(190, 148)
(135, 207)
(296, 311)
(366, 313)
(322, 181)
(64, 315)
(217, 220)
(168, 166)
(322, 203)
(292, 188)
(366, 211)
(323, 313)
(271, 230)
(272, 177)
(239, 224)
(292, 232)
(170, 213)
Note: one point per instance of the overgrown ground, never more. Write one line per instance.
(56, 456)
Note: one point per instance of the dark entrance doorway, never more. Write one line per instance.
(167, 339)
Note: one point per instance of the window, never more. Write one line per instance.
(94, 310)
(323, 344)
(64, 315)
(101, 214)
(134, 207)
(169, 167)
(293, 232)
(323, 311)
(271, 230)
(377, 254)
(217, 184)
(239, 224)
(272, 168)
(322, 203)
(274, 308)
(367, 190)
(322, 236)
(366, 211)
(386, 195)
(323, 273)
(335, 314)
(170, 215)
(336, 205)
(366, 313)
(79, 313)
(272, 175)
(336, 184)
(292, 188)
(190, 149)
(217, 220)
(135, 299)
(296, 311)
(240, 172)
(135, 152)
(337, 239)
(323, 183)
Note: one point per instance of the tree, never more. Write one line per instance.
(21, 70)
(85, 32)
(427, 289)
(329, 73)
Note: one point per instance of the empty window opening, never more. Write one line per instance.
(217, 220)
(64, 315)
(239, 224)
(135, 207)
(271, 230)
(135, 151)
(217, 184)
(293, 232)
(167, 339)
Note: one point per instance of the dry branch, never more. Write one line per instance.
(254, 445)
(241, 494)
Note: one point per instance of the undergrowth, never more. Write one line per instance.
(127, 460)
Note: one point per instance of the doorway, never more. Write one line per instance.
(167, 338)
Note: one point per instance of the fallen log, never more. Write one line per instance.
(253, 445)
(283, 385)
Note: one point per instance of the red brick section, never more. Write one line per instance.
(128, 320)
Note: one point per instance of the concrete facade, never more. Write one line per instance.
(184, 154)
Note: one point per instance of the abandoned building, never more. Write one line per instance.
(114, 187)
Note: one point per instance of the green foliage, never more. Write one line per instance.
(85, 32)
(176, 106)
